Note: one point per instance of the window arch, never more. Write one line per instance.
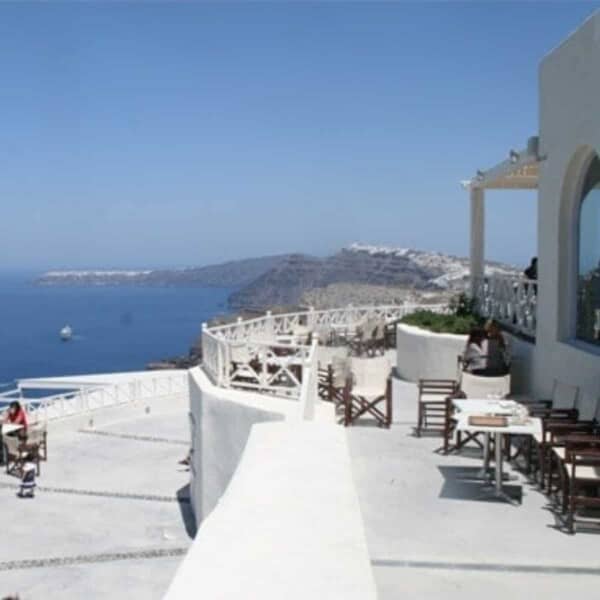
(588, 255)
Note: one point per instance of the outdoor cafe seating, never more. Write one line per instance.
(31, 447)
(358, 388)
(561, 450)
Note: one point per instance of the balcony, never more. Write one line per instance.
(279, 354)
(511, 301)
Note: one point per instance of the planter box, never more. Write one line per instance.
(422, 354)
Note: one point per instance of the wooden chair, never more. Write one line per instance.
(16, 452)
(37, 434)
(325, 335)
(432, 406)
(244, 368)
(556, 412)
(557, 435)
(584, 477)
(450, 444)
(325, 383)
(390, 334)
(562, 449)
(332, 381)
(375, 344)
(564, 397)
(357, 404)
(363, 335)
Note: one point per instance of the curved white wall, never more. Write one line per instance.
(221, 420)
(289, 525)
(426, 355)
(276, 520)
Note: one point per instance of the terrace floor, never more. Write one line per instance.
(111, 516)
(429, 536)
(111, 519)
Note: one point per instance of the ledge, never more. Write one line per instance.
(289, 525)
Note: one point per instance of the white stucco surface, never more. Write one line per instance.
(426, 355)
(221, 420)
(289, 525)
(569, 131)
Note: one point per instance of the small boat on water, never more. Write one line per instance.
(66, 333)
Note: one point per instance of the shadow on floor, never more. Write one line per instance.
(185, 507)
(369, 423)
(467, 483)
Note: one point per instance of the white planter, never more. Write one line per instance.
(422, 354)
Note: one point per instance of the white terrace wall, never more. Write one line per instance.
(569, 133)
(423, 354)
(522, 360)
(221, 420)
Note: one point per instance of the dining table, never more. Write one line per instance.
(516, 424)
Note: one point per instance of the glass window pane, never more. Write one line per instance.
(588, 296)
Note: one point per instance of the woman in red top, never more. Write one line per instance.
(16, 414)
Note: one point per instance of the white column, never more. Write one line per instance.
(477, 236)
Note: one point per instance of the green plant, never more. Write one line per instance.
(462, 305)
(460, 324)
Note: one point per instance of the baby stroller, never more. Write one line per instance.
(28, 480)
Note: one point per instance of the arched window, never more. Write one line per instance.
(588, 276)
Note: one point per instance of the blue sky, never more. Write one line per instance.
(177, 134)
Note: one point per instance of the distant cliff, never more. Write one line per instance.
(359, 271)
(230, 274)
(357, 274)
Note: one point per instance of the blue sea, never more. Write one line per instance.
(114, 328)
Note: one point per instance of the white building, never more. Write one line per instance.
(559, 334)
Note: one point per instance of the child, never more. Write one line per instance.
(28, 479)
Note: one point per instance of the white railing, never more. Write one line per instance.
(511, 301)
(270, 353)
(88, 398)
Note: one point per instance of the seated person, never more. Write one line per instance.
(531, 271)
(16, 415)
(475, 354)
(497, 351)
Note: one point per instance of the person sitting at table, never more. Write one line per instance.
(497, 350)
(475, 354)
(16, 415)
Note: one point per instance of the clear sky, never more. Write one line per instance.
(178, 134)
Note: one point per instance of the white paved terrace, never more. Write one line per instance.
(111, 517)
(430, 537)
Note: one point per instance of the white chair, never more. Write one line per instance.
(478, 386)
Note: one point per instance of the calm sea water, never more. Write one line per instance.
(114, 328)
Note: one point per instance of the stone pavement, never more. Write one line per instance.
(111, 517)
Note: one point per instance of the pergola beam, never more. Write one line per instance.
(520, 171)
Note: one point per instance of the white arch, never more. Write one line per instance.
(568, 238)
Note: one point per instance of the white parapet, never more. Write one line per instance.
(289, 525)
(427, 355)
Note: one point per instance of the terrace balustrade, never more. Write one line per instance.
(511, 301)
(277, 353)
(86, 399)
